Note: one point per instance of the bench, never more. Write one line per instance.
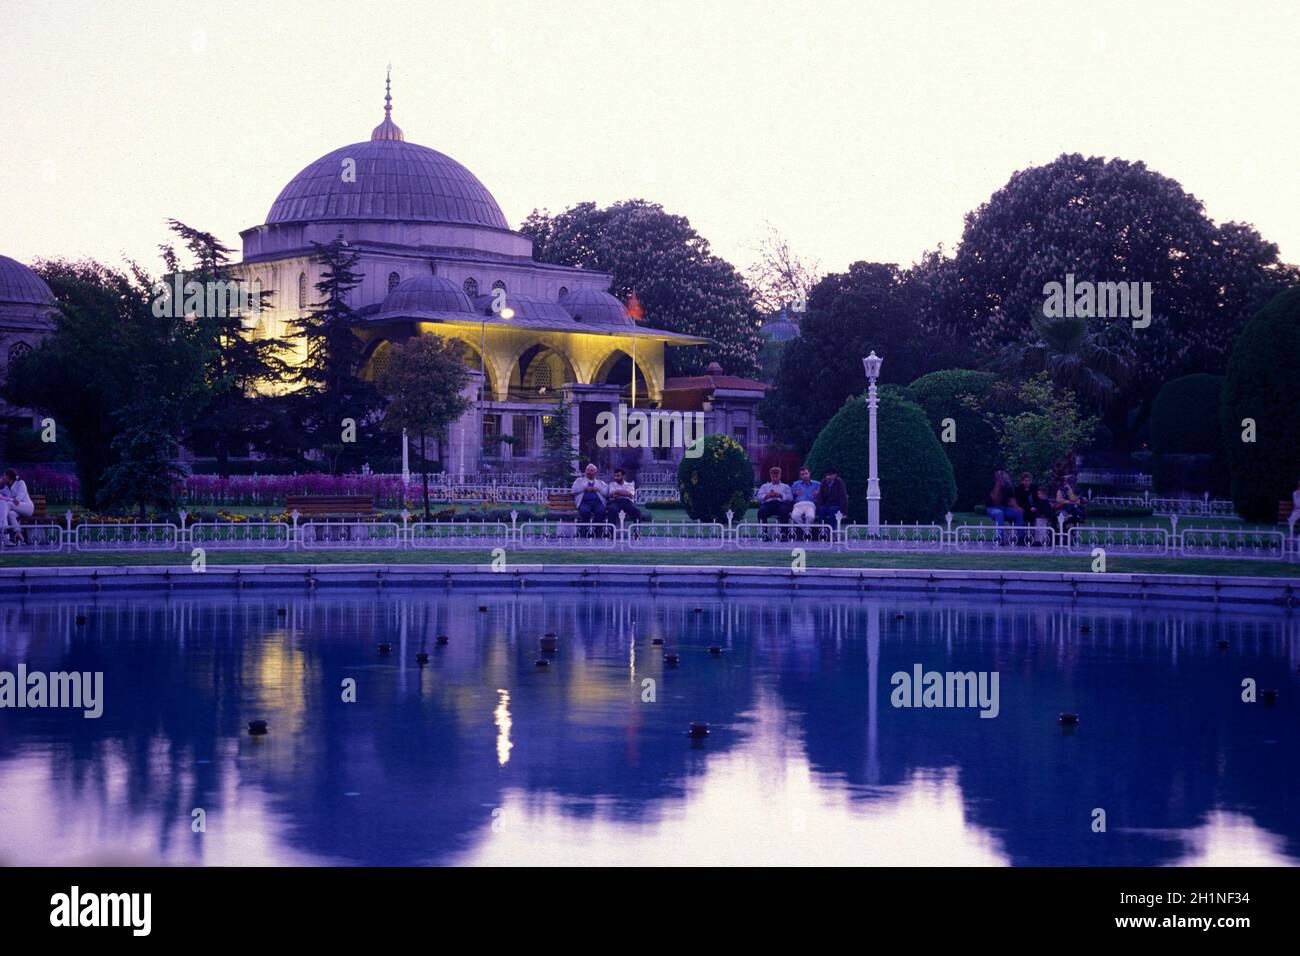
(561, 502)
(331, 506)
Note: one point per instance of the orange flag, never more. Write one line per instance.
(634, 308)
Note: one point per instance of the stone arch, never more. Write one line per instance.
(374, 358)
(616, 368)
(541, 365)
(470, 341)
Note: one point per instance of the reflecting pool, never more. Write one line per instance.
(481, 756)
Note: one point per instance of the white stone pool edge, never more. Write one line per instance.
(1212, 589)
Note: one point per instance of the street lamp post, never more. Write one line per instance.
(871, 365)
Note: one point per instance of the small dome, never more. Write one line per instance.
(526, 307)
(19, 285)
(596, 308)
(427, 294)
(779, 328)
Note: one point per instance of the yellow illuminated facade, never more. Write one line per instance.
(439, 257)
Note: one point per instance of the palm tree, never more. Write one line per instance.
(1094, 364)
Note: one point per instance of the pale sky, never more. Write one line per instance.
(861, 130)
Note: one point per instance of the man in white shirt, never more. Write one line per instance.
(774, 498)
(589, 494)
(621, 498)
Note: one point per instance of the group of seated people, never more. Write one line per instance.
(1029, 504)
(598, 501)
(804, 502)
(15, 503)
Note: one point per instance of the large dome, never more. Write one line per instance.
(21, 286)
(395, 181)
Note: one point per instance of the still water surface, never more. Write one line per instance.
(482, 757)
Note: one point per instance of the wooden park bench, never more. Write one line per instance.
(562, 502)
(331, 506)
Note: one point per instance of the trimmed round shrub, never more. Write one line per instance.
(916, 482)
(1185, 417)
(974, 450)
(1262, 385)
(721, 479)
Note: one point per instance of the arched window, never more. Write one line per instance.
(17, 351)
(393, 280)
(564, 290)
(471, 287)
(379, 359)
(302, 290)
(498, 285)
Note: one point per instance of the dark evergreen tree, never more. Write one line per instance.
(557, 447)
(110, 365)
(335, 413)
(240, 362)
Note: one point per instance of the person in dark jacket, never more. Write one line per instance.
(832, 497)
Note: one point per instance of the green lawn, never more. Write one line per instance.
(984, 562)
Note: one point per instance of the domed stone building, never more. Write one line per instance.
(26, 316)
(439, 256)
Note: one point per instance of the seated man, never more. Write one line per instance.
(805, 498)
(1069, 503)
(589, 494)
(1002, 503)
(774, 498)
(621, 499)
(832, 497)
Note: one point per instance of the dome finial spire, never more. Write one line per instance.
(388, 129)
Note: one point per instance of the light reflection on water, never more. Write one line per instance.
(482, 757)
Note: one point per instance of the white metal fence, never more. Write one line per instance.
(1204, 506)
(1176, 541)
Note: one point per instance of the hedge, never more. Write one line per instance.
(916, 480)
(974, 453)
(1185, 417)
(721, 479)
(1262, 384)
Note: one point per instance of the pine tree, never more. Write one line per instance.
(239, 368)
(336, 413)
(557, 447)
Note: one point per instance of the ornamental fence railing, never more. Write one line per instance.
(575, 535)
(1163, 505)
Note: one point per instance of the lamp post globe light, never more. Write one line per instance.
(871, 365)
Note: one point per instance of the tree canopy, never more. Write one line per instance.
(871, 307)
(681, 284)
(1106, 220)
